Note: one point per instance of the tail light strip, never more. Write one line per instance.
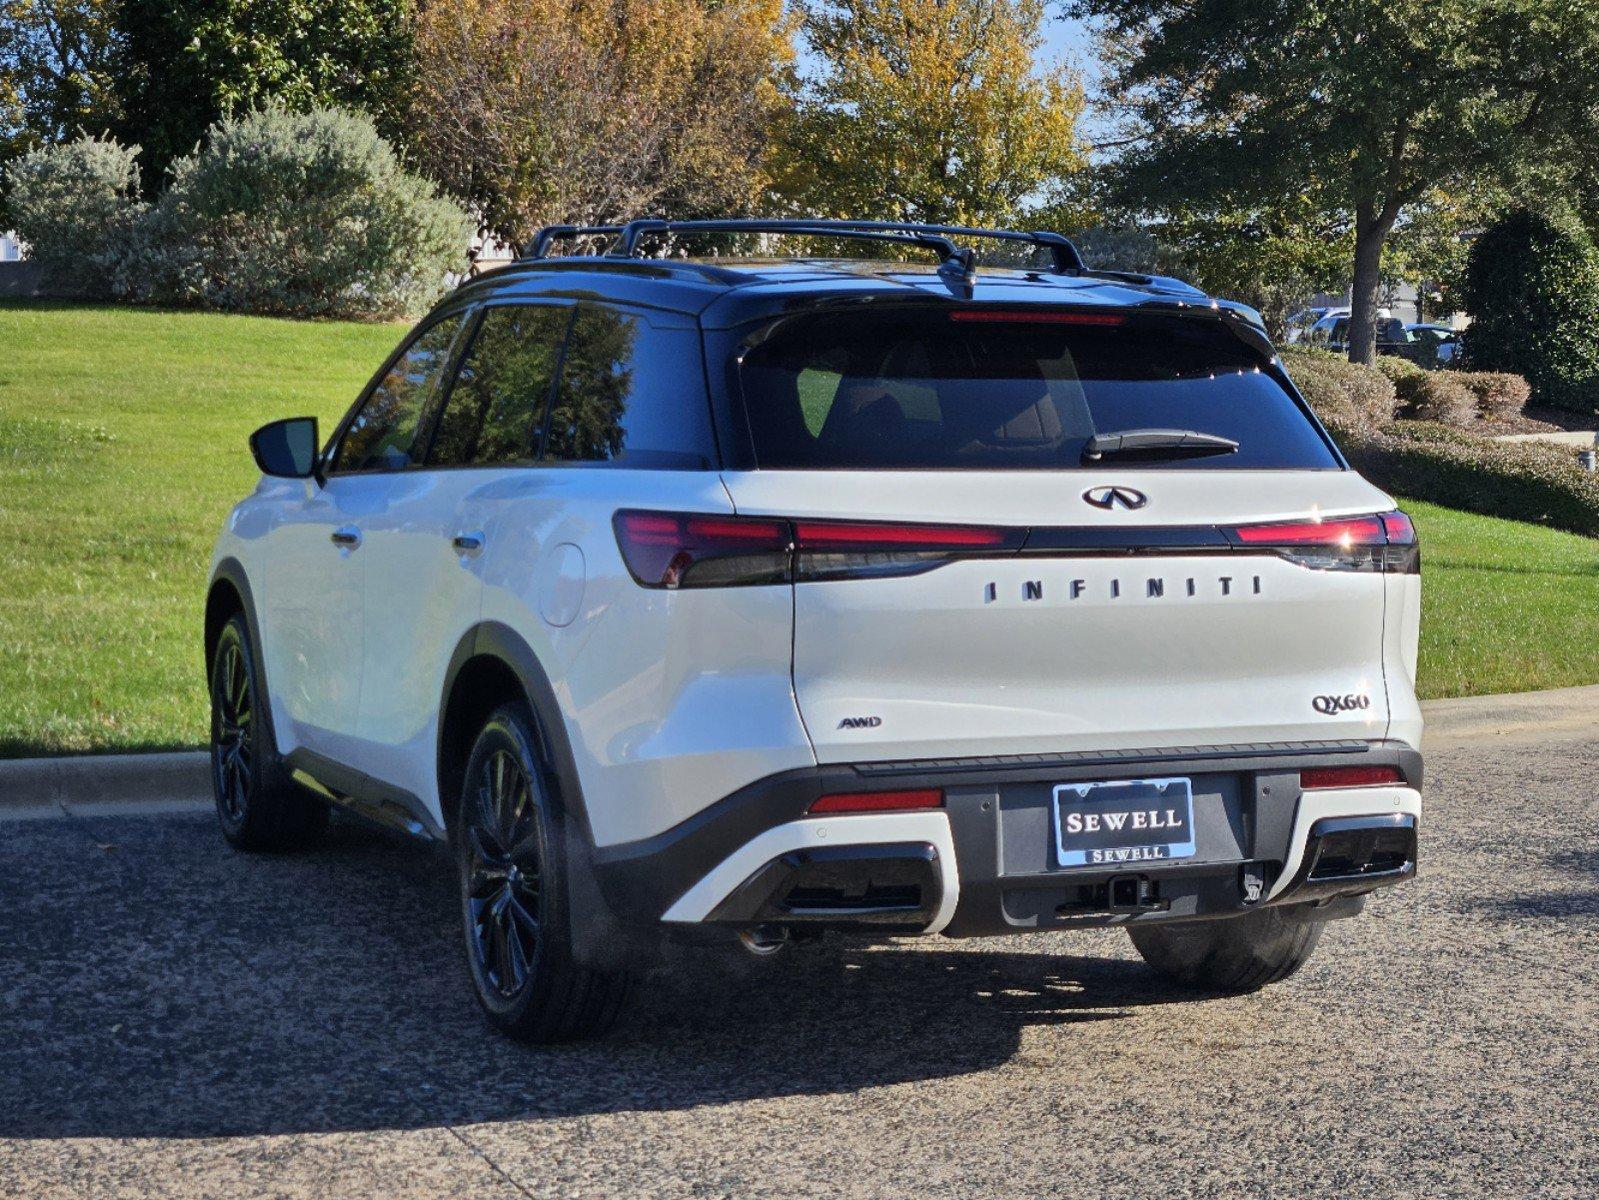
(683, 550)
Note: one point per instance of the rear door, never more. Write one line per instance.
(974, 581)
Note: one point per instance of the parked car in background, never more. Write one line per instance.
(1297, 328)
(735, 600)
(1438, 343)
(1332, 333)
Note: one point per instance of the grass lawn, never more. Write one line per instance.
(122, 446)
(1506, 606)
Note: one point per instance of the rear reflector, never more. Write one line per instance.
(1349, 777)
(1035, 317)
(863, 802)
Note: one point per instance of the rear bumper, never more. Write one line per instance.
(981, 865)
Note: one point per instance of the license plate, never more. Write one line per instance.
(1126, 821)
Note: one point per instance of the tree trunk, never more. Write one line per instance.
(1371, 232)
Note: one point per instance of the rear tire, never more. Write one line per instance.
(514, 897)
(1232, 954)
(259, 806)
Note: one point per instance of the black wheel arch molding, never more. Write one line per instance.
(599, 939)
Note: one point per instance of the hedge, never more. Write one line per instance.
(1442, 463)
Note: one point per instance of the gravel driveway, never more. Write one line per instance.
(180, 1020)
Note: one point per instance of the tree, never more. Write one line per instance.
(187, 63)
(929, 110)
(1532, 289)
(591, 111)
(1372, 104)
(56, 72)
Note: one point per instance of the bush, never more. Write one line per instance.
(1532, 288)
(1500, 395)
(1440, 461)
(1523, 481)
(306, 214)
(75, 204)
(1344, 394)
(1399, 371)
(1441, 396)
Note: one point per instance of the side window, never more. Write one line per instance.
(495, 410)
(631, 394)
(383, 434)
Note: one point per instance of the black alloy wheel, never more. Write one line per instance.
(504, 893)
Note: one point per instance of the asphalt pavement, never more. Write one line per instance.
(177, 1019)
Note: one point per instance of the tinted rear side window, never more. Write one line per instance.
(995, 391)
(631, 394)
(495, 411)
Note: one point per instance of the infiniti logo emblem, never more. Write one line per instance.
(1115, 497)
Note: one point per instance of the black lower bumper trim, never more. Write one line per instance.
(895, 887)
(1346, 856)
(1249, 825)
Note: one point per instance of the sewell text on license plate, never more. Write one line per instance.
(1123, 821)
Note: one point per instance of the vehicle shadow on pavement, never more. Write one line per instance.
(156, 984)
(1561, 903)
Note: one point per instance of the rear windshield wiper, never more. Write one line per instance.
(1156, 443)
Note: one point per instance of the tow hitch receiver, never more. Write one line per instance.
(1123, 894)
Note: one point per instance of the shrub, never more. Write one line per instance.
(307, 214)
(74, 204)
(1399, 371)
(1441, 396)
(1344, 394)
(1443, 462)
(1532, 288)
(1523, 481)
(1500, 395)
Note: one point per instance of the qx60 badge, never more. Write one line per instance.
(1115, 496)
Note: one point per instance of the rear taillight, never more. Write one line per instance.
(863, 802)
(1349, 777)
(1385, 542)
(686, 550)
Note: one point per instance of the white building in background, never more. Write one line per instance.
(10, 247)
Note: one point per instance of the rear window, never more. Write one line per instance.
(984, 389)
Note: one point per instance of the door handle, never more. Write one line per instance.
(467, 543)
(346, 535)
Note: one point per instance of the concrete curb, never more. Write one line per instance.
(1516, 716)
(105, 783)
(180, 782)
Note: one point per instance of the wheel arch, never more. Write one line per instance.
(229, 595)
(493, 664)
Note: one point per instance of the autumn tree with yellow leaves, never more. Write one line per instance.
(929, 110)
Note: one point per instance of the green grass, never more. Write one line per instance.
(1505, 606)
(122, 446)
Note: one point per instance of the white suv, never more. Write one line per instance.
(753, 598)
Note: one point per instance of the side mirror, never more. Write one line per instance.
(287, 448)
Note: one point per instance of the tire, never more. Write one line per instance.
(1231, 955)
(514, 897)
(259, 806)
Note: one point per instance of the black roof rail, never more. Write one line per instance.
(1067, 261)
